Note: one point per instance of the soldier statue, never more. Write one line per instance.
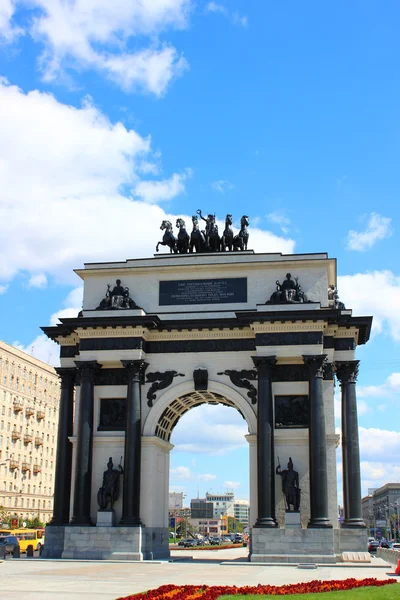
(290, 485)
(108, 494)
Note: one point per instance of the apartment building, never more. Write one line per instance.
(29, 397)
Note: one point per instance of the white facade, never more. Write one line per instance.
(242, 511)
(191, 349)
(29, 397)
(175, 500)
(222, 504)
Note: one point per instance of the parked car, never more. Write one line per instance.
(215, 540)
(385, 544)
(9, 543)
(396, 546)
(190, 543)
(238, 539)
(373, 547)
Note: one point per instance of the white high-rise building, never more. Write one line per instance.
(223, 504)
(29, 399)
(241, 511)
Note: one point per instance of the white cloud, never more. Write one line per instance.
(43, 349)
(232, 484)
(38, 281)
(221, 185)
(377, 294)
(378, 228)
(181, 473)
(8, 30)
(69, 204)
(206, 477)
(390, 388)
(3, 289)
(222, 430)
(157, 191)
(279, 218)
(234, 17)
(98, 34)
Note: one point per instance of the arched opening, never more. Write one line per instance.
(228, 465)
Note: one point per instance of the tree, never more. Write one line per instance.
(234, 526)
(5, 516)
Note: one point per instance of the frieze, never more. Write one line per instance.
(216, 345)
(111, 377)
(283, 373)
(241, 379)
(117, 343)
(289, 338)
(345, 344)
(159, 381)
(329, 342)
(69, 351)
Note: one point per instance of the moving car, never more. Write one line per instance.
(396, 546)
(9, 543)
(373, 547)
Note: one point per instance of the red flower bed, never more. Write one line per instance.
(206, 592)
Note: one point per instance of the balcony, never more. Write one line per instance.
(25, 467)
(40, 415)
(16, 435)
(14, 464)
(38, 441)
(18, 406)
(28, 438)
(29, 411)
(37, 469)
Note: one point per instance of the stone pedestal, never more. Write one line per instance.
(292, 520)
(106, 518)
(292, 546)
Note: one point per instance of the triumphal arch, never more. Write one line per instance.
(207, 323)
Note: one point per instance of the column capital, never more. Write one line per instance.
(347, 371)
(66, 374)
(87, 368)
(315, 363)
(264, 365)
(136, 369)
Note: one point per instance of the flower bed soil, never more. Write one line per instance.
(205, 592)
(214, 547)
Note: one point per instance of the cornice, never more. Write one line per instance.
(70, 340)
(266, 327)
(113, 332)
(214, 333)
(351, 332)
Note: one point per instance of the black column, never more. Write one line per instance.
(133, 442)
(317, 445)
(62, 479)
(265, 443)
(346, 372)
(84, 450)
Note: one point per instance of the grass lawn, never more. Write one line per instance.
(388, 592)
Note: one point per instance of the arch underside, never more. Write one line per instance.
(182, 405)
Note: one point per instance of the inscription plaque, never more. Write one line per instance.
(203, 291)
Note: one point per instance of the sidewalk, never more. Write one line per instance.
(36, 579)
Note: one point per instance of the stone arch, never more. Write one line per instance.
(156, 447)
(217, 393)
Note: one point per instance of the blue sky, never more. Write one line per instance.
(116, 114)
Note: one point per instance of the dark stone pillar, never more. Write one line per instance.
(133, 441)
(84, 450)
(346, 372)
(265, 443)
(317, 445)
(62, 480)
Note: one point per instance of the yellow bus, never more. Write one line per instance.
(29, 537)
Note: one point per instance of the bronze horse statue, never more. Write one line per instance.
(227, 236)
(182, 242)
(168, 237)
(197, 238)
(240, 240)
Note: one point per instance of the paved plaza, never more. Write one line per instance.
(33, 579)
